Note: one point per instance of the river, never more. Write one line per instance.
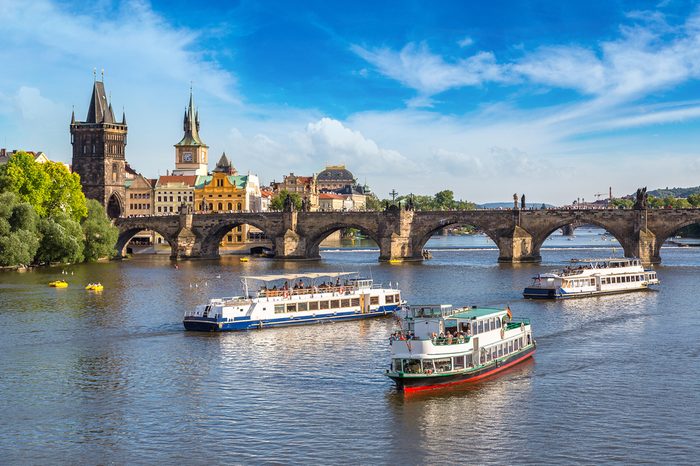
(114, 378)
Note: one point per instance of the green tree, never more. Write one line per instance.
(277, 202)
(61, 240)
(49, 187)
(100, 235)
(19, 239)
(445, 200)
(655, 202)
(622, 203)
(64, 193)
(694, 199)
(372, 202)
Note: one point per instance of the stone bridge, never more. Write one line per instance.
(401, 235)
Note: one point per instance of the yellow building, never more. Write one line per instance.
(173, 191)
(222, 192)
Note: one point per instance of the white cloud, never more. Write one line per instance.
(465, 42)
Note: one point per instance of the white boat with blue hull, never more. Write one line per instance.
(592, 277)
(303, 298)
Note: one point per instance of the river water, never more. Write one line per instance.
(114, 378)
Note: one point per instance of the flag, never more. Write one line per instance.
(510, 314)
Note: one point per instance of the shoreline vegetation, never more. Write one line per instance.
(45, 218)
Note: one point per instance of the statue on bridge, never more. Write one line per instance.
(288, 204)
(515, 201)
(522, 202)
(642, 198)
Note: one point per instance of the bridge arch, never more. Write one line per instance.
(422, 236)
(664, 230)
(126, 234)
(539, 235)
(210, 239)
(315, 238)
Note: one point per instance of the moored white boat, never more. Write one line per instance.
(440, 346)
(301, 298)
(592, 277)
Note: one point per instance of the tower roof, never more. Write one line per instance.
(100, 111)
(191, 126)
(224, 165)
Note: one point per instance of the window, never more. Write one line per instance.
(443, 364)
(389, 299)
(229, 206)
(292, 307)
(221, 206)
(239, 228)
(344, 303)
(302, 307)
(279, 308)
(458, 362)
(229, 238)
(355, 301)
(323, 304)
(239, 206)
(397, 298)
(374, 300)
(498, 323)
(239, 238)
(313, 306)
(480, 327)
(335, 304)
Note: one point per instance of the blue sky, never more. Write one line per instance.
(559, 100)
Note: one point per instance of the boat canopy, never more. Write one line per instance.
(295, 276)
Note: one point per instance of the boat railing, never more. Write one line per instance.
(459, 340)
(516, 323)
(286, 293)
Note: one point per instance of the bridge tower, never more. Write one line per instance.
(191, 153)
(99, 145)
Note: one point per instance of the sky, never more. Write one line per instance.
(556, 100)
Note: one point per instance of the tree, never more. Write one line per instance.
(61, 240)
(694, 199)
(445, 200)
(655, 202)
(372, 202)
(49, 187)
(100, 235)
(19, 238)
(277, 202)
(622, 203)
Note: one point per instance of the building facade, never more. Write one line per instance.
(173, 191)
(99, 145)
(191, 157)
(304, 186)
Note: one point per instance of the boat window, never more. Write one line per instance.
(500, 350)
(480, 327)
(279, 308)
(458, 362)
(498, 323)
(443, 364)
(396, 365)
(516, 345)
(428, 365)
(303, 307)
(389, 298)
(291, 307)
(344, 303)
(494, 353)
(355, 301)
(374, 300)
(487, 325)
(335, 303)
(323, 305)
(411, 366)
(313, 306)
(397, 298)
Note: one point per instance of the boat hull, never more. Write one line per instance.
(212, 325)
(430, 382)
(552, 293)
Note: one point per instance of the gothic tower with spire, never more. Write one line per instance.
(99, 144)
(191, 152)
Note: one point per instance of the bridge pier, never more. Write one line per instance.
(517, 246)
(646, 248)
(568, 230)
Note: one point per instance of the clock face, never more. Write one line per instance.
(187, 156)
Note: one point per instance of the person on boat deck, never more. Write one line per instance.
(286, 286)
(337, 282)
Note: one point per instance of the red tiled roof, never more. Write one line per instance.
(330, 196)
(188, 180)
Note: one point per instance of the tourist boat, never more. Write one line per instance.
(439, 345)
(302, 298)
(94, 287)
(589, 277)
(58, 284)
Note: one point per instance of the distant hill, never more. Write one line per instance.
(509, 205)
(675, 192)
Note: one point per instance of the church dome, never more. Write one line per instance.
(336, 173)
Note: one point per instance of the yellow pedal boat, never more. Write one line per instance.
(59, 284)
(94, 287)
(243, 259)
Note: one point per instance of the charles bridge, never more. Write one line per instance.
(402, 234)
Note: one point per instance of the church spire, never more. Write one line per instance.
(191, 126)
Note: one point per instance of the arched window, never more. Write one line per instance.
(114, 172)
(211, 206)
(230, 206)
(239, 206)
(221, 206)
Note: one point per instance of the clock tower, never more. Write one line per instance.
(191, 152)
